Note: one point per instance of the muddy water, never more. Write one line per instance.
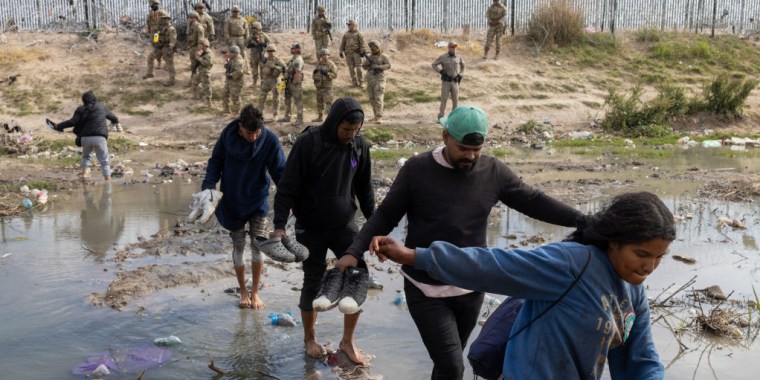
(62, 255)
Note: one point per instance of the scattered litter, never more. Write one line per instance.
(400, 299)
(733, 223)
(715, 292)
(582, 135)
(491, 301)
(282, 319)
(142, 144)
(5, 255)
(401, 161)
(685, 259)
(442, 44)
(374, 283)
(101, 371)
(124, 360)
(27, 203)
(711, 144)
(170, 340)
(24, 189)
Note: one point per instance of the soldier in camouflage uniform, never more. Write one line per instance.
(164, 47)
(496, 27)
(195, 34)
(236, 30)
(376, 65)
(352, 48)
(294, 85)
(324, 74)
(152, 23)
(234, 73)
(271, 68)
(451, 67)
(258, 43)
(320, 29)
(206, 20)
(201, 82)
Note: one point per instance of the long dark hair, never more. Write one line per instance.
(627, 219)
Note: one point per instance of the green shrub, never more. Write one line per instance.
(530, 127)
(726, 96)
(377, 135)
(632, 117)
(558, 22)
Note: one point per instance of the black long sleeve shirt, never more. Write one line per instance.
(444, 204)
(90, 122)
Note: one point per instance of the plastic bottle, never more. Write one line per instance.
(281, 319)
(27, 203)
(400, 299)
(491, 301)
(167, 341)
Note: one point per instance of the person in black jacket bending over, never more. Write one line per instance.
(328, 167)
(447, 194)
(89, 122)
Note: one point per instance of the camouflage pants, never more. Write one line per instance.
(448, 89)
(256, 65)
(294, 94)
(376, 93)
(232, 91)
(354, 62)
(494, 35)
(240, 42)
(192, 49)
(168, 55)
(322, 42)
(201, 84)
(269, 85)
(324, 100)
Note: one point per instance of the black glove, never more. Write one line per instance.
(324, 72)
(342, 55)
(458, 78)
(441, 72)
(227, 66)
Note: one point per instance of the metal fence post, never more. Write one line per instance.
(715, 13)
(664, 9)
(512, 17)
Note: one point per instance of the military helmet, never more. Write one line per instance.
(271, 48)
(296, 46)
(204, 42)
(199, 5)
(373, 42)
(234, 49)
(155, 1)
(351, 22)
(321, 8)
(323, 52)
(164, 14)
(193, 14)
(236, 8)
(256, 25)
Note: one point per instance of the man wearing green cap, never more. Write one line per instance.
(447, 194)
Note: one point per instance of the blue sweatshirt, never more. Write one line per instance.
(603, 318)
(242, 167)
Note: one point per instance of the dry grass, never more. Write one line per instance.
(12, 58)
(556, 23)
(423, 37)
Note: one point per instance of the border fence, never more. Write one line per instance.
(732, 16)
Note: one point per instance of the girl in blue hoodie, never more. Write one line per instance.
(603, 318)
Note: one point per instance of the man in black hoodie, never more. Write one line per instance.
(89, 122)
(328, 167)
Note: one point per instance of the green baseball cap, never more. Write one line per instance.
(464, 120)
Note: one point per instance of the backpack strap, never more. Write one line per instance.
(569, 288)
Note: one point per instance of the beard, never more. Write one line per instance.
(464, 165)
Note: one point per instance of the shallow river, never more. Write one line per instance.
(60, 256)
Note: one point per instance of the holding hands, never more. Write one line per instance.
(388, 249)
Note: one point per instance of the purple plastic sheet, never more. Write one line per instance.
(125, 360)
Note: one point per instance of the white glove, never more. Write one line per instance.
(203, 205)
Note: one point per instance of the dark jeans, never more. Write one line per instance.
(318, 242)
(445, 325)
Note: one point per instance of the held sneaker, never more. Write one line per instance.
(329, 293)
(354, 290)
(300, 252)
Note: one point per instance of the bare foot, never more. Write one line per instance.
(353, 352)
(245, 299)
(256, 302)
(315, 350)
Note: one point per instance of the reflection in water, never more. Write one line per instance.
(100, 226)
(248, 353)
